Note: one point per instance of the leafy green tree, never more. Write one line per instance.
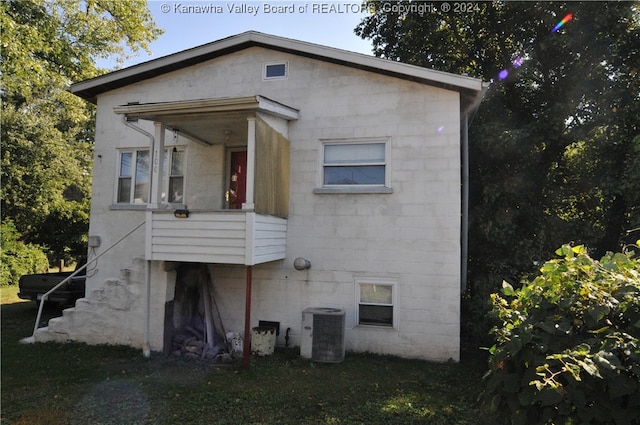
(47, 133)
(568, 343)
(554, 145)
(18, 258)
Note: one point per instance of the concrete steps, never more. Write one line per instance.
(58, 328)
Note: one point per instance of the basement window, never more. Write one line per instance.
(376, 303)
(276, 70)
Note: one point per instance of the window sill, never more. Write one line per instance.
(352, 190)
(144, 207)
(376, 327)
(128, 207)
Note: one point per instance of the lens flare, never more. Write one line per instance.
(561, 23)
(517, 62)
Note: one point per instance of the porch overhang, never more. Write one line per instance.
(196, 118)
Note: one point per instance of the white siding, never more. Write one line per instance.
(226, 237)
(270, 239)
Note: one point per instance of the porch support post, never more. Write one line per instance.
(146, 346)
(157, 160)
(251, 162)
(247, 322)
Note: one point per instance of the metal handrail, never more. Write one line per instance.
(72, 275)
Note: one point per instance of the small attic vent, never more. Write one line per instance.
(276, 70)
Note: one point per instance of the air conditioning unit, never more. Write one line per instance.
(322, 336)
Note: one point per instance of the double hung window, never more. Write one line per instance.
(376, 301)
(134, 176)
(355, 164)
(173, 177)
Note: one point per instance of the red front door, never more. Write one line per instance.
(237, 193)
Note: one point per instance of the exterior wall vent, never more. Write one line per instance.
(275, 70)
(322, 336)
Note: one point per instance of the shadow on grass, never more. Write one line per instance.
(74, 383)
(18, 319)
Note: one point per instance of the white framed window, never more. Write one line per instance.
(376, 302)
(355, 165)
(275, 70)
(134, 179)
(173, 176)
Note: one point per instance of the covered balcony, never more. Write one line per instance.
(247, 224)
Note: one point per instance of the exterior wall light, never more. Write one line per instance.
(301, 263)
(181, 213)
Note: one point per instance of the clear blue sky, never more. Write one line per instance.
(188, 24)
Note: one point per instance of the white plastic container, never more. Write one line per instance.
(263, 341)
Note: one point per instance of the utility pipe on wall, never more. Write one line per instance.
(247, 321)
(139, 130)
(464, 236)
(469, 114)
(146, 346)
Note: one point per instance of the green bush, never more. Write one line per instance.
(18, 258)
(567, 347)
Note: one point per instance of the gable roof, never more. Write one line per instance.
(89, 89)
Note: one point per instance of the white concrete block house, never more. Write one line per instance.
(234, 158)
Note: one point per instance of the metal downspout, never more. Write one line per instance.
(464, 237)
(469, 115)
(146, 347)
(247, 321)
(138, 129)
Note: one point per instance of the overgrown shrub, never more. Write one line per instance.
(18, 258)
(567, 348)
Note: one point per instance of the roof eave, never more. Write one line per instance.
(90, 89)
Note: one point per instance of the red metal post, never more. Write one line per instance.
(247, 322)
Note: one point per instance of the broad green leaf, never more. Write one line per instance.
(590, 367)
(601, 330)
(507, 289)
(565, 251)
(579, 249)
(607, 360)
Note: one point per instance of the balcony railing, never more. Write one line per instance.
(222, 236)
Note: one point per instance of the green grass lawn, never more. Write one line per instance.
(74, 383)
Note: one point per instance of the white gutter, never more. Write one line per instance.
(157, 110)
(146, 348)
